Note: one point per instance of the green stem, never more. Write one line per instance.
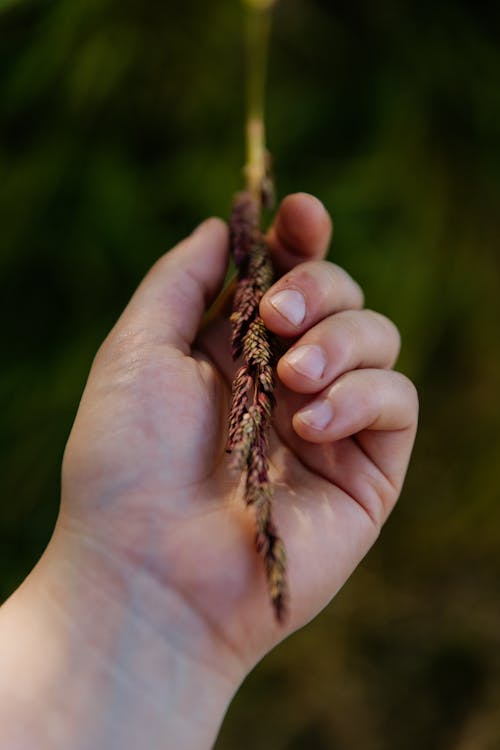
(258, 24)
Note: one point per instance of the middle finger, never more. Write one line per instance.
(307, 294)
(347, 341)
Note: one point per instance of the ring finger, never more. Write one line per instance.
(346, 341)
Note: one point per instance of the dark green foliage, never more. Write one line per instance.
(120, 128)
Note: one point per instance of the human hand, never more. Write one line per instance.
(152, 522)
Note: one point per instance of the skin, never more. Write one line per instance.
(149, 606)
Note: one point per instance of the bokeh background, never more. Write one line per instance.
(120, 129)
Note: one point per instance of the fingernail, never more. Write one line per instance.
(317, 415)
(291, 304)
(308, 360)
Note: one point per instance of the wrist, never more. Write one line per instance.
(84, 665)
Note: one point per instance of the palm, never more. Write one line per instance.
(175, 486)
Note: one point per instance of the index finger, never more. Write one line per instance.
(301, 231)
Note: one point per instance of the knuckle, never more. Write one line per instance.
(378, 496)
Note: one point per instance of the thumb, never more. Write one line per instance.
(170, 302)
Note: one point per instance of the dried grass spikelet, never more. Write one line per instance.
(253, 386)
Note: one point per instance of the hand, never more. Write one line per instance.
(152, 522)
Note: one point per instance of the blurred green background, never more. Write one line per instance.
(120, 128)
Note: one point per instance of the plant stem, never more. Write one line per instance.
(250, 413)
(258, 24)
